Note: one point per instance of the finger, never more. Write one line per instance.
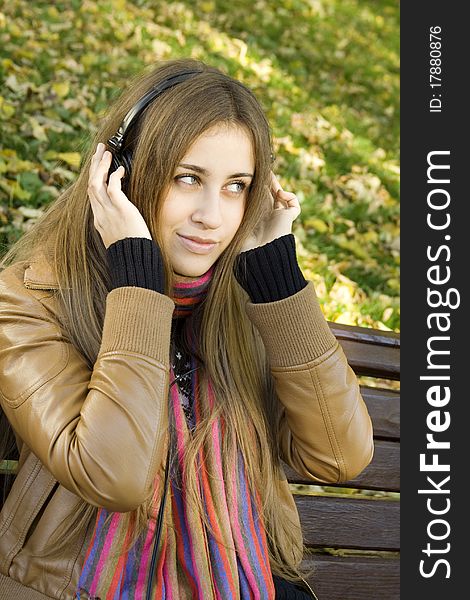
(286, 195)
(96, 207)
(275, 185)
(280, 202)
(287, 200)
(101, 163)
(99, 150)
(96, 157)
(97, 181)
(99, 199)
(103, 167)
(114, 185)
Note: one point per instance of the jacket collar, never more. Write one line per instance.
(40, 275)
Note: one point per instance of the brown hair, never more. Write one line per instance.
(231, 348)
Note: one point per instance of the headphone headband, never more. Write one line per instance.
(116, 141)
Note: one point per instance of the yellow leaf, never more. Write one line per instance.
(7, 153)
(61, 88)
(316, 224)
(15, 30)
(370, 236)
(382, 326)
(71, 158)
(207, 7)
(30, 213)
(88, 60)
(14, 164)
(38, 130)
(161, 48)
(7, 110)
(351, 246)
(7, 64)
(25, 53)
(346, 318)
(14, 189)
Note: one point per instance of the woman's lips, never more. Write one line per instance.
(196, 247)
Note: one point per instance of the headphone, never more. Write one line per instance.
(116, 143)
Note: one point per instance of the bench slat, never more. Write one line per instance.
(349, 522)
(356, 578)
(376, 361)
(384, 409)
(370, 351)
(365, 335)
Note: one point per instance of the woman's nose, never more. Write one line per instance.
(208, 210)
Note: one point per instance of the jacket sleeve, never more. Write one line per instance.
(325, 429)
(99, 432)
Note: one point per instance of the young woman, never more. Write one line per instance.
(160, 354)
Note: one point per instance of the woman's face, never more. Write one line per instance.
(206, 199)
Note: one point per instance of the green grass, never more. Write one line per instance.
(325, 71)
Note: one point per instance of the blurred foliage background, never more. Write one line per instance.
(325, 71)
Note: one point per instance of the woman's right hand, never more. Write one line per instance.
(115, 217)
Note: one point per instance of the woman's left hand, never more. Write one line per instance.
(283, 209)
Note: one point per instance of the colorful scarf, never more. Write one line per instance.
(192, 563)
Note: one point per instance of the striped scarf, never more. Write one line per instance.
(192, 562)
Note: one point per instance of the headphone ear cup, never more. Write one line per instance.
(117, 160)
(126, 162)
(115, 164)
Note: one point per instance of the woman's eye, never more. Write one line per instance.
(241, 184)
(181, 177)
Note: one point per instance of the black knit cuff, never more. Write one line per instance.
(136, 262)
(270, 272)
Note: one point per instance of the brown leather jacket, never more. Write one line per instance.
(98, 436)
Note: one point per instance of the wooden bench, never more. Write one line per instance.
(353, 538)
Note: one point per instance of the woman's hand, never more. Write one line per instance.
(283, 209)
(115, 217)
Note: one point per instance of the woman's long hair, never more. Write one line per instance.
(232, 351)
